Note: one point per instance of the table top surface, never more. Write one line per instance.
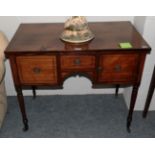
(46, 37)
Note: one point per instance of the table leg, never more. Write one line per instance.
(149, 96)
(22, 108)
(117, 90)
(132, 105)
(34, 92)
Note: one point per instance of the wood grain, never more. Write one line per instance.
(77, 62)
(45, 37)
(37, 69)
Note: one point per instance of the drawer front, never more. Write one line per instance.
(118, 68)
(77, 62)
(37, 69)
(87, 74)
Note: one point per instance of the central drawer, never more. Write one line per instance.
(70, 62)
(37, 69)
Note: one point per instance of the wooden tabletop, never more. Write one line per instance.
(45, 37)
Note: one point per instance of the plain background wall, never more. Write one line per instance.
(73, 85)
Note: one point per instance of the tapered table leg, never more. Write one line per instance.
(150, 94)
(22, 108)
(34, 92)
(132, 105)
(117, 90)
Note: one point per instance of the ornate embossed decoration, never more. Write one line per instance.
(77, 30)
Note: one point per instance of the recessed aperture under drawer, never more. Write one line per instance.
(37, 69)
(69, 62)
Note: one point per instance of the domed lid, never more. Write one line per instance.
(77, 30)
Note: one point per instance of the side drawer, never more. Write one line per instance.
(118, 67)
(37, 69)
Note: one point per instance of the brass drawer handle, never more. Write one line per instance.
(37, 70)
(100, 69)
(77, 62)
(117, 68)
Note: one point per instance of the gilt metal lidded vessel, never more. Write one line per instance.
(76, 30)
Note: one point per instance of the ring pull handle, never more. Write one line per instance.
(77, 62)
(117, 68)
(37, 70)
(100, 69)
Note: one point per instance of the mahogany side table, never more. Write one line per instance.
(38, 58)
